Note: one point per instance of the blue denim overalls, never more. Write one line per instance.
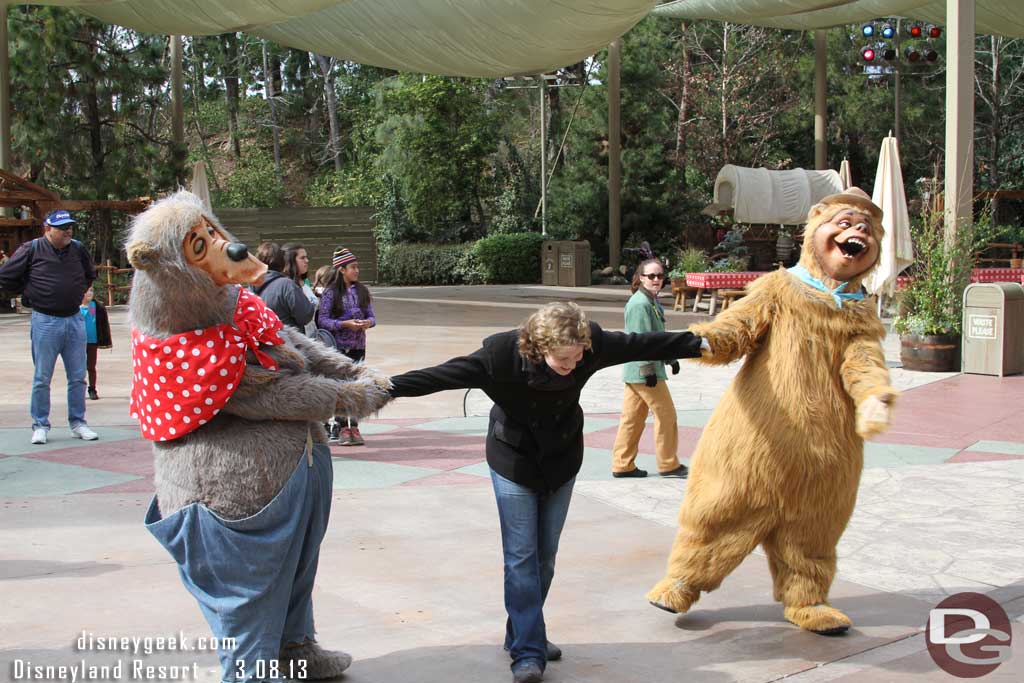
(253, 577)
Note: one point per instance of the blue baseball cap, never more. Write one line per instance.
(58, 218)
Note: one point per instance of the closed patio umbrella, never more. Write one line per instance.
(846, 174)
(199, 186)
(897, 250)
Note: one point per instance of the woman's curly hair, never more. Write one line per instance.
(556, 324)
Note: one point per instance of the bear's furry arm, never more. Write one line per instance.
(737, 330)
(321, 360)
(864, 371)
(281, 395)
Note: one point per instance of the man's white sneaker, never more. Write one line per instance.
(39, 435)
(82, 431)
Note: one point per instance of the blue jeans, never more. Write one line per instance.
(531, 524)
(51, 337)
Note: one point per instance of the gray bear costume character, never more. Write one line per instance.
(234, 405)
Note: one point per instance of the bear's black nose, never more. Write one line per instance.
(238, 252)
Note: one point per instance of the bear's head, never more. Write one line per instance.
(842, 239)
(185, 263)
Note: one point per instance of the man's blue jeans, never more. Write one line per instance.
(531, 524)
(53, 336)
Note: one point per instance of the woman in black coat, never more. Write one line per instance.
(534, 375)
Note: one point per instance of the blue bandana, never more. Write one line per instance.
(838, 294)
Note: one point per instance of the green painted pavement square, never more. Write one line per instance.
(1004, 447)
(366, 474)
(897, 455)
(466, 426)
(692, 418)
(17, 440)
(22, 477)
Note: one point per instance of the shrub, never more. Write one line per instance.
(254, 183)
(690, 260)
(509, 258)
(427, 264)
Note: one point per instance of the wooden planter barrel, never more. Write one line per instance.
(930, 352)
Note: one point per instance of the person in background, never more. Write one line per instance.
(535, 375)
(646, 384)
(296, 269)
(97, 335)
(282, 295)
(52, 272)
(346, 309)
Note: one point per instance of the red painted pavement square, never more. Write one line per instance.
(417, 448)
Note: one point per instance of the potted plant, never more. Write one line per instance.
(732, 247)
(931, 306)
(689, 260)
(730, 264)
(1016, 237)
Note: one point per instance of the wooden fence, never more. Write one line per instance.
(319, 230)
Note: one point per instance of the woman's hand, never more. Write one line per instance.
(352, 324)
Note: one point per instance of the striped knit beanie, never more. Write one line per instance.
(342, 257)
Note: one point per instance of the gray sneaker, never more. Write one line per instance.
(39, 435)
(527, 671)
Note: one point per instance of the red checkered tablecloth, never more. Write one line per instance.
(721, 280)
(980, 275)
(997, 274)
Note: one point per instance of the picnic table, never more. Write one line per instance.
(718, 284)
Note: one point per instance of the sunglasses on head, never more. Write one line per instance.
(654, 276)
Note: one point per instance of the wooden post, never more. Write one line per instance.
(179, 151)
(820, 101)
(110, 284)
(959, 113)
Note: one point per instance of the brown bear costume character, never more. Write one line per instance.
(780, 459)
(233, 403)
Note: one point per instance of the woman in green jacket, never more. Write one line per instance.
(646, 385)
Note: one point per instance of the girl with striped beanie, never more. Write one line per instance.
(346, 310)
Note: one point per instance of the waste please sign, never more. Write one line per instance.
(981, 326)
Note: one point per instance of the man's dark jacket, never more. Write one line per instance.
(54, 280)
(535, 434)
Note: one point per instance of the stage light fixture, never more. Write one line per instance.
(867, 54)
(915, 30)
(934, 31)
(913, 55)
(888, 31)
(889, 54)
(931, 55)
(868, 30)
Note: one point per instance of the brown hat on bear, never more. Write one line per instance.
(857, 197)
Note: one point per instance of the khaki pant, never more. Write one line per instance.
(637, 401)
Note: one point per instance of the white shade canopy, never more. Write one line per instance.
(454, 37)
(757, 195)
(998, 17)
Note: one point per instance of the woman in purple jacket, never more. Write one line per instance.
(346, 310)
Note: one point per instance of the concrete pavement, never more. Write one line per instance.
(410, 578)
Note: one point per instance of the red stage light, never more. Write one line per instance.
(915, 30)
(868, 54)
(934, 31)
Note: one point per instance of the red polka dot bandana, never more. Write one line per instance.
(180, 382)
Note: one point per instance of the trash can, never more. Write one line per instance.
(549, 263)
(993, 329)
(565, 263)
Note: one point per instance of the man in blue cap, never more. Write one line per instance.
(53, 272)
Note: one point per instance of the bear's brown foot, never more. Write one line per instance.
(823, 619)
(320, 664)
(673, 595)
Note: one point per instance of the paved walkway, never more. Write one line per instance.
(410, 578)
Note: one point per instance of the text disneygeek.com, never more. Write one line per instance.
(133, 667)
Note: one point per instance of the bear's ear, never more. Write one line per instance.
(142, 255)
(816, 211)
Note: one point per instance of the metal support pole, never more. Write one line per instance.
(959, 113)
(543, 157)
(178, 151)
(614, 157)
(897, 88)
(820, 101)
